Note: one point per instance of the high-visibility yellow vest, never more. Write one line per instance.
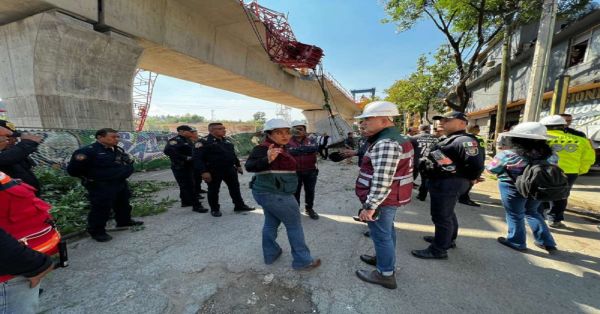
(575, 153)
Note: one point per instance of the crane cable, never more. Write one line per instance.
(321, 80)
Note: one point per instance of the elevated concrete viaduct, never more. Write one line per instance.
(70, 64)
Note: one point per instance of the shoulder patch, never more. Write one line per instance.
(80, 157)
(173, 142)
(198, 144)
(471, 148)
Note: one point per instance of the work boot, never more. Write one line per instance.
(421, 197)
(371, 260)
(428, 253)
(367, 234)
(505, 242)
(549, 248)
(311, 213)
(244, 208)
(216, 213)
(185, 204)
(377, 278)
(558, 225)
(100, 236)
(130, 223)
(315, 263)
(199, 208)
(430, 240)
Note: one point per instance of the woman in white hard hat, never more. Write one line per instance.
(273, 187)
(527, 142)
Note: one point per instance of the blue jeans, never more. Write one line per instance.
(16, 297)
(444, 195)
(517, 210)
(383, 235)
(284, 208)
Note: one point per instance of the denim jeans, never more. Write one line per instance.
(383, 235)
(517, 210)
(444, 195)
(282, 208)
(307, 178)
(16, 297)
(557, 208)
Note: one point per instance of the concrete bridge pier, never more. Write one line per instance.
(318, 120)
(57, 71)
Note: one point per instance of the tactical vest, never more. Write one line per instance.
(26, 217)
(402, 184)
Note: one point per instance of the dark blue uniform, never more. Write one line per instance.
(104, 172)
(450, 173)
(217, 157)
(179, 149)
(423, 143)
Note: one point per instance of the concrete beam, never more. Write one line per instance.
(57, 72)
(14, 10)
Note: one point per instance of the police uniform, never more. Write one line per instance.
(217, 156)
(179, 149)
(424, 143)
(465, 198)
(450, 166)
(104, 172)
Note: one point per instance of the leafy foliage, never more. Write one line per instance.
(70, 205)
(469, 26)
(259, 119)
(425, 88)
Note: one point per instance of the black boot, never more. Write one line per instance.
(199, 208)
(311, 213)
(428, 253)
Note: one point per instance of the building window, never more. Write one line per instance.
(578, 49)
(488, 84)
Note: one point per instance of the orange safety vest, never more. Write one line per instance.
(26, 217)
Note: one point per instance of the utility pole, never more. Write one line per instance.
(540, 62)
(504, 71)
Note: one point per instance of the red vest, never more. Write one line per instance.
(402, 185)
(26, 217)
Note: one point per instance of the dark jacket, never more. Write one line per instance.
(304, 152)
(213, 154)
(465, 152)
(179, 149)
(279, 176)
(97, 163)
(16, 163)
(18, 259)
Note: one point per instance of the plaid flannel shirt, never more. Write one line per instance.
(385, 156)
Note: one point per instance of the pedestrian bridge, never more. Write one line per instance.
(69, 64)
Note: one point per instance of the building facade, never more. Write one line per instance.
(575, 52)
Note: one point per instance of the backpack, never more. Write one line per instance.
(542, 181)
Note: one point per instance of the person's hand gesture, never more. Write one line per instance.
(273, 152)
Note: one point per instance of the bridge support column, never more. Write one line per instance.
(58, 72)
(319, 121)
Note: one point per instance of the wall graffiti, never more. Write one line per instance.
(58, 145)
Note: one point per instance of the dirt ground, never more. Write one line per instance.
(184, 262)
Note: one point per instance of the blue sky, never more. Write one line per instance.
(360, 52)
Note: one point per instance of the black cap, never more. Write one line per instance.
(184, 128)
(452, 115)
(8, 125)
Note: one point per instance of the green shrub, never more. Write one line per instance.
(70, 205)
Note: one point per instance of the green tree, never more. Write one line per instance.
(425, 88)
(259, 119)
(469, 26)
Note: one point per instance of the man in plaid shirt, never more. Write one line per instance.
(384, 184)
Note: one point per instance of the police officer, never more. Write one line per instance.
(465, 198)
(15, 151)
(197, 176)
(575, 157)
(214, 157)
(451, 166)
(104, 168)
(179, 149)
(424, 142)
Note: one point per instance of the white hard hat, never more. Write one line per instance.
(553, 120)
(276, 124)
(379, 109)
(531, 130)
(298, 123)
